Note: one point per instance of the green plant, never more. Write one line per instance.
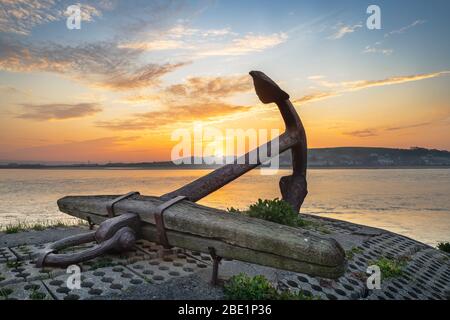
(351, 253)
(102, 263)
(322, 229)
(40, 225)
(5, 292)
(36, 295)
(390, 268)
(233, 210)
(13, 264)
(275, 210)
(444, 246)
(10, 229)
(2, 278)
(243, 287)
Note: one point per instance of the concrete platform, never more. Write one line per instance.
(151, 272)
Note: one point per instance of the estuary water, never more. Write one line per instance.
(412, 202)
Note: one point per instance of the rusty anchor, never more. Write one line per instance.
(120, 232)
(293, 187)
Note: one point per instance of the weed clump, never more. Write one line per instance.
(444, 246)
(40, 226)
(275, 210)
(390, 268)
(243, 287)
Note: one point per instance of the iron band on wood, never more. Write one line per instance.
(159, 220)
(110, 206)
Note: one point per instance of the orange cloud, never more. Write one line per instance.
(59, 111)
(144, 77)
(171, 116)
(195, 99)
(371, 132)
(350, 86)
(210, 87)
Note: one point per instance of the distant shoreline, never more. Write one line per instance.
(325, 158)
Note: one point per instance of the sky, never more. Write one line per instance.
(136, 71)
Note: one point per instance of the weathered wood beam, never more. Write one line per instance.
(233, 236)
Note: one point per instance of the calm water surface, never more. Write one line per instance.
(411, 202)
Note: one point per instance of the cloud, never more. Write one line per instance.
(100, 64)
(409, 126)
(143, 77)
(21, 16)
(155, 45)
(10, 90)
(246, 45)
(372, 132)
(316, 77)
(58, 111)
(197, 90)
(210, 87)
(362, 84)
(374, 49)
(205, 43)
(362, 133)
(350, 86)
(178, 37)
(171, 116)
(316, 97)
(181, 31)
(342, 30)
(157, 16)
(197, 98)
(87, 12)
(405, 28)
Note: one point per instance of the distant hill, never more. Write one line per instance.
(373, 157)
(351, 157)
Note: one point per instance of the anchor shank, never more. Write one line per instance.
(215, 180)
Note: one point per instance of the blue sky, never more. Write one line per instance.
(136, 65)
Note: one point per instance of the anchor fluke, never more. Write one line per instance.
(266, 89)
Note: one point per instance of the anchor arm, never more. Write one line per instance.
(294, 187)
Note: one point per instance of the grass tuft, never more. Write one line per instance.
(243, 287)
(36, 295)
(351, 253)
(22, 226)
(444, 246)
(13, 264)
(390, 268)
(102, 262)
(5, 292)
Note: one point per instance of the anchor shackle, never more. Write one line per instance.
(119, 233)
